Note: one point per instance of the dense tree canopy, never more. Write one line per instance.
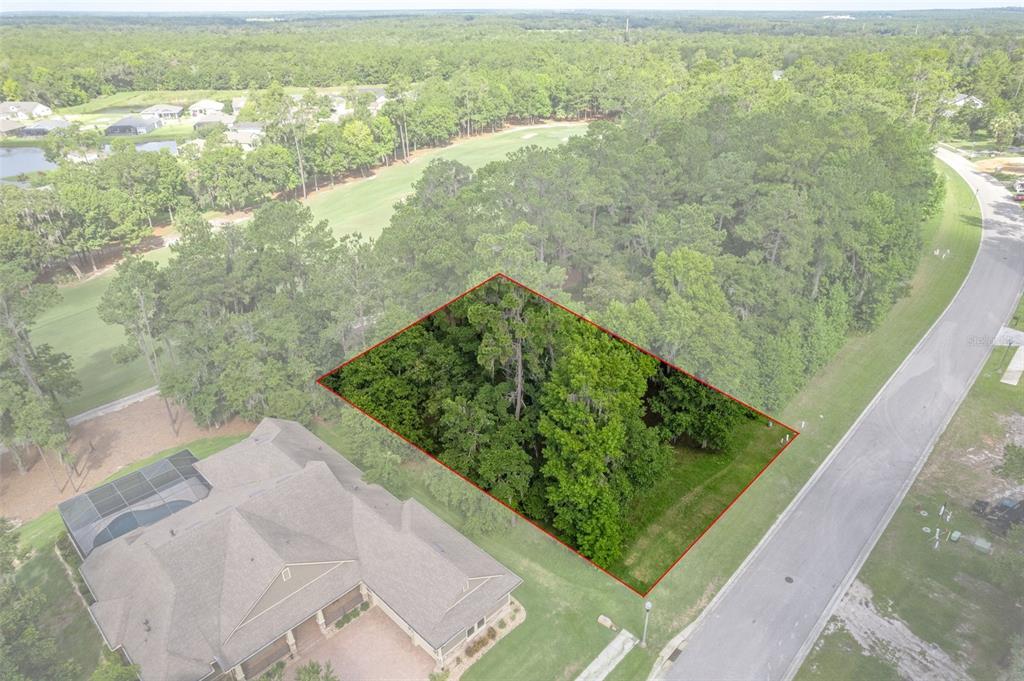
(544, 410)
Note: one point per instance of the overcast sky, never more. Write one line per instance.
(298, 5)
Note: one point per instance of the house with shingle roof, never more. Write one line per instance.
(23, 111)
(226, 565)
(162, 111)
(205, 107)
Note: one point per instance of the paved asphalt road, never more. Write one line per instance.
(761, 625)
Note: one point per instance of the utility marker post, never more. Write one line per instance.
(647, 615)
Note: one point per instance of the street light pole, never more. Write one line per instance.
(647, 615)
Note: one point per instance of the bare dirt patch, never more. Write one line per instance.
(975, 468)
(102, 446)
(891, 639)
(1001, 164)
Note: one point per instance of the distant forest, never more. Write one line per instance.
(544, 410)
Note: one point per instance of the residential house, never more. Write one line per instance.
(339, 108)
(211, 119)
(10, 128)
(162, 111)
(133, 125)
(43, 128)
(205, 107)
(376, 104)
(23, 111)
(216, 569)
(959, 101)
(246, 135)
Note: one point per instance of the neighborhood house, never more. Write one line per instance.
(10, 127)
(246, 135)
(205, 107)
(212, 119)
(216, 569)
(42, 128)
(162, 111)
(22, 111)
(133, 125)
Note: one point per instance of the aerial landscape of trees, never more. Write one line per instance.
(751, 193)
(741, 205)
(547, 412)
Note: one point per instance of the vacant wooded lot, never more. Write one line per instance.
(618, 454)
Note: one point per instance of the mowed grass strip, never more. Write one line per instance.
(694, 490)
(73, 326)
(364, 206)
(829, 404)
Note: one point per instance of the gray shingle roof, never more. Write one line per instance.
(179, 594)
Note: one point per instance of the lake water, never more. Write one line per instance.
(15, 161)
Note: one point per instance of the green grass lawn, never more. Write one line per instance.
(72, 326)
(365, 206)
(967, 603)
(829, 404)
(693, 491)
(362, 205)
(63, 616)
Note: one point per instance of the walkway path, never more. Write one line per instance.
(602, 665)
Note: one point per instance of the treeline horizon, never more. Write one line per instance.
(542, 409)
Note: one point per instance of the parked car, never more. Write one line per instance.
(1018, 196)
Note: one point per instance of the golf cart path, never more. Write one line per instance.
(764, 621)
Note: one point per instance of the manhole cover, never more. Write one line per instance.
(789, 580)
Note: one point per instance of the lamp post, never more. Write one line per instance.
(647, 615)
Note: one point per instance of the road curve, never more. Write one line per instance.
(761, 625)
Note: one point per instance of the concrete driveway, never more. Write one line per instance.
(370, 648)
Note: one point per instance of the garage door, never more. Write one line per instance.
(334, 611)
(259, 662)
(307, 634)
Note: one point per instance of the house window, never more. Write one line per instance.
(480, 624)
(286, 574)
(469, 632)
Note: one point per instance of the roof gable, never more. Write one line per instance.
(292, 579)
(207, 583)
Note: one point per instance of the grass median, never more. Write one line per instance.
(826, 408)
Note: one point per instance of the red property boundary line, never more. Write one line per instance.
(500, 275)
